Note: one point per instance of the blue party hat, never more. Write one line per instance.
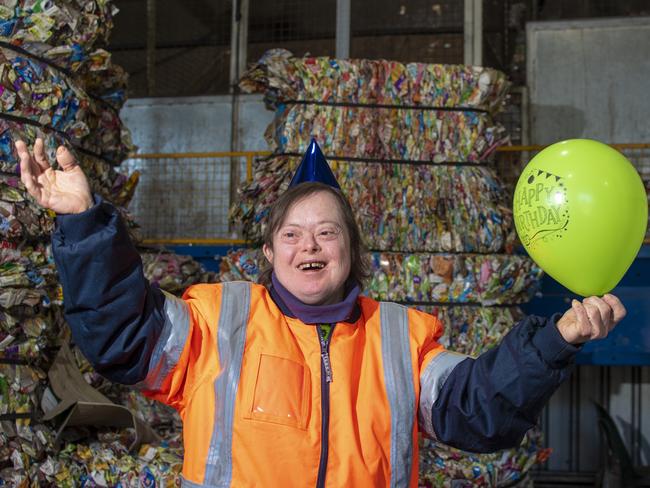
(314, 167)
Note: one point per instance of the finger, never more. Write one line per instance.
(22, 150)
(39, 154)
(26, 175)
(21, 147)
(65, 159)
(33, 189)
(582, 320)
(598, 329)
(617, 307)
(25, 161)
(606, 312)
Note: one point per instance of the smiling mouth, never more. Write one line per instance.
(313, 266)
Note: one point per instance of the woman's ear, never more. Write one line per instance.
(268, 253)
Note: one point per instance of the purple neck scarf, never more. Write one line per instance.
(346, 311)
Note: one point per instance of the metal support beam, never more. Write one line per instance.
(343, 29)
(151, 48)
(238, 59)
(473, 30)
(238, 41)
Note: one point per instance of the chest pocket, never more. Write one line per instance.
(282, 392)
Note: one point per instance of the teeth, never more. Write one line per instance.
(305, 266)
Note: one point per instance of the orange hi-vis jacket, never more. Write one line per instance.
(266, 400)
(258, 391)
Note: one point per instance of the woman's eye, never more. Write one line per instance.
(290, 235)
(328, 233)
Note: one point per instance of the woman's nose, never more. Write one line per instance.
(310, 243)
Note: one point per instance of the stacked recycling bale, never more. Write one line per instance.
(57, 82)
(40, 97)
(173, 272)
(410, 145)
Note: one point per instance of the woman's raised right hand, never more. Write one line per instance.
(65, 191)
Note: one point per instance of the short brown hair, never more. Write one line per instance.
(359, 264)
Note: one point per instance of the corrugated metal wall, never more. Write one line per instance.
(570, 424)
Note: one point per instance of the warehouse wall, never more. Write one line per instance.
(217, 123)
(588, 78)
(570, 423)
(197, 124)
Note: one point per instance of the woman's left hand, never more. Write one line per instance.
(594, 318)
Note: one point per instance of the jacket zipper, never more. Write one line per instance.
(325, 380)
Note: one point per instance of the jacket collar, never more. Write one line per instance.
(347, 310)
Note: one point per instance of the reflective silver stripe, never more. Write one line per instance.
(170, 344)
(398, 376)
(431, 381)
(231, 336)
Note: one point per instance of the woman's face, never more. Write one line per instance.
(311, 250)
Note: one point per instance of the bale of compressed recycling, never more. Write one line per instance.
(411, 146)
(399, 207)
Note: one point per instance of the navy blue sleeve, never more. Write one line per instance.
(489, 403)
(115, 316)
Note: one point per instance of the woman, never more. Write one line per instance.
(301, 382)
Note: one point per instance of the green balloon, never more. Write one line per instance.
(581, 212)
